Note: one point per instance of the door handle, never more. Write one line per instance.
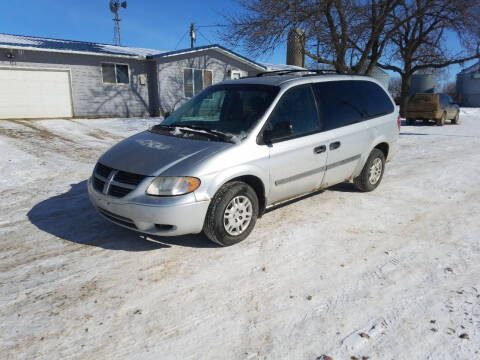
(335, 145)
(319, 149)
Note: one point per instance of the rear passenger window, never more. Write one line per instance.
(294, 115)
(343, 103)
(339, 104)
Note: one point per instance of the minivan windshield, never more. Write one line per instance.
(228, 109)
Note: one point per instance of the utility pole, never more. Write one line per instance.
(192, 35)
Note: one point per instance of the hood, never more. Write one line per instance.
(150, 154)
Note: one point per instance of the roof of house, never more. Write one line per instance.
(89, 48)
(217, 47)
(472, 69)
(72, 46)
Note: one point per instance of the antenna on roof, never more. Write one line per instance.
(115, 5)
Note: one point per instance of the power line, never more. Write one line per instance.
(179, 41)
(208, 41)
(210, 26)
(193, 28)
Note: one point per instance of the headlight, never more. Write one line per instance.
(172, 185)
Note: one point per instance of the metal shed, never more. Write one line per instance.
(468, 86)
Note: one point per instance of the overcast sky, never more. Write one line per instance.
(155, 24)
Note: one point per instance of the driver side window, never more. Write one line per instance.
(295, 115)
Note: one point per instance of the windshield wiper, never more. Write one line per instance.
(194, 129)
(162, 126)
(205, 131)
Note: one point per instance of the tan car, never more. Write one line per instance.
(437, 107)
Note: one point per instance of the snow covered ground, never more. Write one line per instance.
(392, 274)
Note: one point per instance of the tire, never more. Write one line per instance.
(456, 119)
(367, 181)
(234, 198)
(443, 118)
(410, 121)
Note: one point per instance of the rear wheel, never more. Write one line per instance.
(456, 119)
(410, 121)
(443, 118)
(232, 214)
(372, 172)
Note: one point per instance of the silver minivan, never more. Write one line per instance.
(238, 147)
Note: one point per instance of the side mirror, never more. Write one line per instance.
(280, 130)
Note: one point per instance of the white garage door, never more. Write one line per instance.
(34, 94)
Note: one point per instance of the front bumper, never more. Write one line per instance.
(163, 216)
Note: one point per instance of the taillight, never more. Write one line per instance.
(399, 123)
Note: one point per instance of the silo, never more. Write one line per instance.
(468, 86)
(296, 47)
(422, 83)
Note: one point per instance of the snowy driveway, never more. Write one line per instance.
(392, 274)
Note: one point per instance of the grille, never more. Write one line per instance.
(117, 218)
(123, 182)
(118, 191)
(98, 184)
(103, 170)
(129, 178)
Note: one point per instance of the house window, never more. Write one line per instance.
(115, 73)
(236, 75)
(195, 80)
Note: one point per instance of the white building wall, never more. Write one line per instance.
(170, 74)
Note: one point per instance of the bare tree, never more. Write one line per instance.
(404, 36)
(420, 42)
(350, 35)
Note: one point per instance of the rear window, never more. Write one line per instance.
(344, 103)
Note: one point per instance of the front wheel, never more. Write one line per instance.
(372, 172)
(232, 214)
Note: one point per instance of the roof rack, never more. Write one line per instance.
(286, 72)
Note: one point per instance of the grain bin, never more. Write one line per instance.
(422, 83)
(296, 47)
(468, 86)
